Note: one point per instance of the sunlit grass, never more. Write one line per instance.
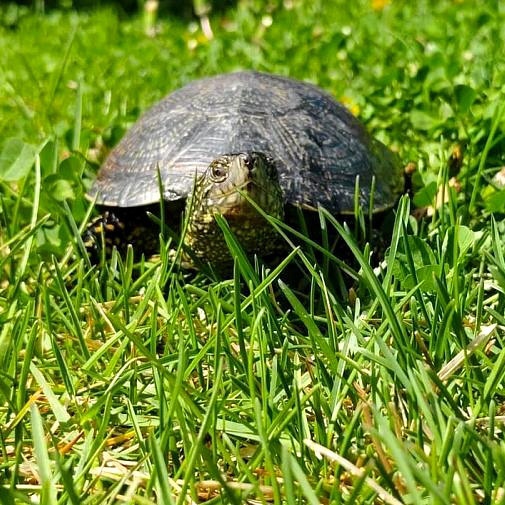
(372, 373)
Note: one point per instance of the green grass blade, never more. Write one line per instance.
(44, 465)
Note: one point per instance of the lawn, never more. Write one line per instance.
(381, 380)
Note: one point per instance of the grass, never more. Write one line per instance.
(141, 383)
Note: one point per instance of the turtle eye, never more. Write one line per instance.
(218, 173)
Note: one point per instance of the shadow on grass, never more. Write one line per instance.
(184, 10)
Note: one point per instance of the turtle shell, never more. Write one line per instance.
(318, 146)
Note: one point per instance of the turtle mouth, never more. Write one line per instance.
(236, 199)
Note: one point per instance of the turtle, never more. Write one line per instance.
(229, 143)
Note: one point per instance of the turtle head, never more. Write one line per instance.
(222, 189)
(227, 187)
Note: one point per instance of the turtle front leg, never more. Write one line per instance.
(117, 228)
(107, 230)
